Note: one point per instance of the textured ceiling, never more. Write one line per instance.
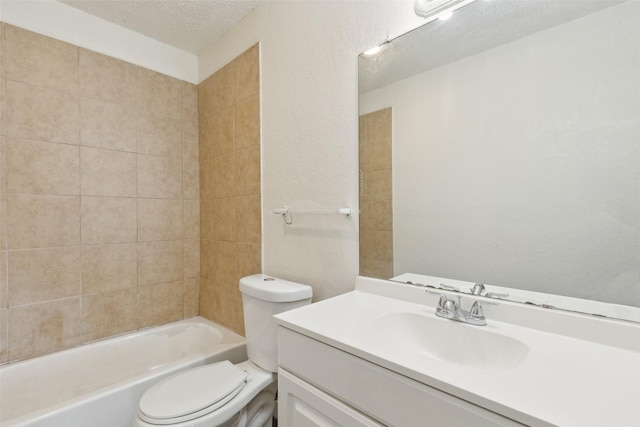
(477, 27)
(189, 25)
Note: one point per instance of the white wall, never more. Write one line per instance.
(309, 74)
(520, 166)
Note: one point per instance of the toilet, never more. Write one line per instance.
(221, 393)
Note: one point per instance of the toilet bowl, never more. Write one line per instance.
(224, 394)
(218, 394)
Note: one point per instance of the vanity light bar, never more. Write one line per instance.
(438, 9)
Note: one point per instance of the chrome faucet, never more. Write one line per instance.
(448, 308)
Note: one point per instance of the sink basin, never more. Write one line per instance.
(427, 336)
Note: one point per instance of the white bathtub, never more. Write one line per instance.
(99, 384)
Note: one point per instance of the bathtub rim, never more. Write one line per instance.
(231, 343)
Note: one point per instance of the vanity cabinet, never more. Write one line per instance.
(320, 385)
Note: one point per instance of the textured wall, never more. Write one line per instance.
(309, 73)
(229, 109)
(99, 201)
(376, 198)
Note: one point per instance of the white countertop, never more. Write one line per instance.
(587, 378)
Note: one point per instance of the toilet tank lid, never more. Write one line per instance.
(269, 288)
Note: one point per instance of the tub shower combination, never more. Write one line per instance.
(100, 384)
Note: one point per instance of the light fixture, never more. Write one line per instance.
(372, 51)
(438, 9)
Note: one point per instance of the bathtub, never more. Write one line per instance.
(100, 384)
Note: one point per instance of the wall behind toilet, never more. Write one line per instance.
(99, 202)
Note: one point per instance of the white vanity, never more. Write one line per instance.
(380, 356)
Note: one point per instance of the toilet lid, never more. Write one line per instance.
(192, 391)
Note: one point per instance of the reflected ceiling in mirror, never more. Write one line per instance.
(513, 149)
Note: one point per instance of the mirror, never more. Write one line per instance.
(502, 146)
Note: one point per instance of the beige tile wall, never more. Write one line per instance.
(376, 216)
(99, 200)
(230, 208)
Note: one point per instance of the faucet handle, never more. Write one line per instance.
(477, 289)
(443, 298)
(476, 310)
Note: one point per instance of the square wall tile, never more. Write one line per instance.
(108, 220)
(3, 221)
(376, 268)
(43, 114)
(190, 296)
(379, 155)
(106, 78)
(248, 73)
(107, 314)
(224, 219)
(190, 179)
(159, 135)
(191, 259)
(4, 291)
(223, 176)
(107, 268)
(159, 177)
(249, 258)
(209, 299)
(379, 215)
(189, 102)
(216, 93)
(40, 60)
(42, 167)
(4, 335)
(3, 156)
(40, 221)
(3, 128)
(207, 176)
(159, 219)
(377, 245)
(205, 139)
(159, 262)
(224, 261)
(247, 171)
(206, 219)
(160, 94)
(2, 25)
(191, 219)
(207, 258)
(107, 125)
(107, 173)
(247, 122)
(221, 128)
(249, 219)
(43, 328)
(378, 184)
(38, 275)
(190, 144)
(159, 304)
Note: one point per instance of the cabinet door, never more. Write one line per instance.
(302, 405)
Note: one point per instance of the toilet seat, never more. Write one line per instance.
(191, 394)
(256, 380)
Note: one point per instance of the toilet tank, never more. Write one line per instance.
(262, 297)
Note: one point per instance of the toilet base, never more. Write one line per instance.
(258, 413)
